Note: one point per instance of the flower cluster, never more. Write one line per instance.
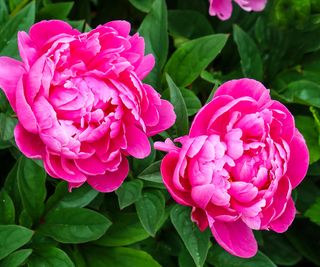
(238, 166)
(223, 8)
(80, 102)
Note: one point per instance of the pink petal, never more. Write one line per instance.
(242, 191)
(202, 194)
(235, 237)
(27, 49)
(204, 116)
(91, 165)
(282, 224)
(299, 160)
(200, 218)
(145, 66)
(245, 87)
(221, 8)
(168, 166)
(123, 27)
(138, 143)
(11, 71)
(30, 144)
(43, 31)
(167, 118)
(110, 181)
(24, 111)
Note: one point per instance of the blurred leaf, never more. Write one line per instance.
(279, 250)
(220, 258)
(143, 5)
(129, 192)
(16, 258)
(49, 257)
(77, 198)
(193, 103)
(191, 58)
(31, 182)
(3, 12)
(308, 192)
(309, 131)
(22, 21)
(74, 225)
(7, 124)
(116, 257)
(125, 230)
(151, 209)
(251, 62)
(154, 29)
(152, 173)
(188, 23)
(303, 92)
(55, 11)
(7, 212)
(197, 243)
(13, 237)
(313, 213)
(180, 107)
(305, 237)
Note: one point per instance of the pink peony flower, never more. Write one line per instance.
(238, 166)
(80, 102)
(223, 8)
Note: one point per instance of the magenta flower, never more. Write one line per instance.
(238, 166)
(80, 102)
(223, 8)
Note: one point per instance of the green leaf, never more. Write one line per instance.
(129, 192)
(13, 237)
(191, 58)
(180, 107)
(305, 236)
(313, 213)
(154, 29)
(196, 242)
(116, 257)
(185, 259)
(74, 225)
(251, 62)
(3, 12)
(22, 21)
(308, 129)
(31, 182)
(10, 186)
(125, 230)
(151, 209)
(55, 11)
(49, 257)
(192, 101)
(279, 250)
(152, 173)
(77, 198)
(16, 258)
(140, 164)
(7, 124)
(221, 258)
(143, 5)
(188, 23)
(7, 212)
(303, 92)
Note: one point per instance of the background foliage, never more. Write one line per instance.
(41, 224)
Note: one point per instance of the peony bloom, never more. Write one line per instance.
(223, 8)
(80, 102)
(238, 166)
